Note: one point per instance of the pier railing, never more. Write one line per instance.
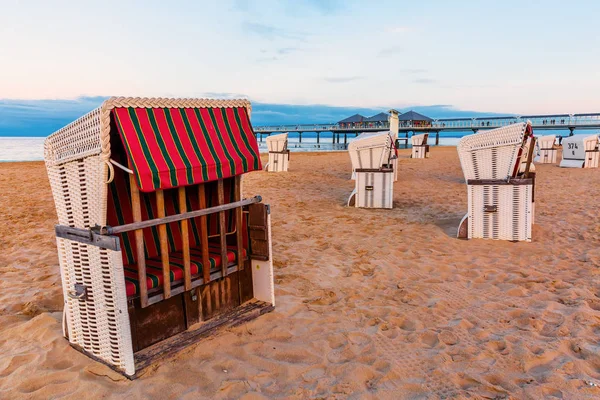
(558, 121)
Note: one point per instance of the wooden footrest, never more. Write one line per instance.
(171, 346)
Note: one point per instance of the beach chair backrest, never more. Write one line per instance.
(419, 140)
(492, 154)
(546, 142)
(277, 142)
(371, 150)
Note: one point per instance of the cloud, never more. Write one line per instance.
(42, 117)
(224, 95)
(277, 55)
(390, 51)
(270, 32)
(413, 71)
(425, 81)
(397, 29)
(286, 50)
(344, 79)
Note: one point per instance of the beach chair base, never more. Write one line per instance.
(420, 151)
(373, 189)
(500, 211)
(591, 159)
(278, 161)
(170, 347)
(547, 156)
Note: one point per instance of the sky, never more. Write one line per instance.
(509, 57)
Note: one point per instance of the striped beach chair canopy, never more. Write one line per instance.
(174, 146)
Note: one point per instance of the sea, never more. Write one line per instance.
(32, 148)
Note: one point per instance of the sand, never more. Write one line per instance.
(370, 303)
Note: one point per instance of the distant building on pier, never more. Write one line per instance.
(381, 120)
(377, 121)
(355, 121)
(414, 119)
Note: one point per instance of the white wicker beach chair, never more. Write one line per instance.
(546, 150)
(279, 155)
(497, 165)
(580, 151)
(156, 246)
(371, 155)
(420, 148)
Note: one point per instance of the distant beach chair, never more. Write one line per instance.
(420, 148)
(371, 155)
(500, 176)
(279, 154)
(156, 246)
(580, 151)
(546, 150)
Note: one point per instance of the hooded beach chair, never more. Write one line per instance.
(371, 155)
(546, 150)
(500, 177)
(279, 155)
(420, 148)
(156, 246)
(580, 151)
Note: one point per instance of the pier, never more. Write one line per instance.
(570, 122)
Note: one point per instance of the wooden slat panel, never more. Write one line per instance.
(164, 244)
(185, 241)
(239, 223)
(204, 234)
(139, 242)
(222, 228)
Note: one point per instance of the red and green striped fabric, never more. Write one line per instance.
(154, 277)
(172, 147)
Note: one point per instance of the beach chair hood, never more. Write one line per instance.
(491, 154)
(371, 150)
(277, 142)
(168, 142)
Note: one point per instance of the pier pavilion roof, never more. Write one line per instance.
(354, 118)
(381, 117)
(413, 116)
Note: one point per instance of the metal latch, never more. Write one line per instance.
(80, 292)
(368, 187)
(490, 209)
(93, 236)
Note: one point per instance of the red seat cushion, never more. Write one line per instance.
(154, 275)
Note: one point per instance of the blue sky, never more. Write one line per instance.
(519, 57)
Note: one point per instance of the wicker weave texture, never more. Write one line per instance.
(491, 154)
(371, 151)
(513, 218)
(98, 324)
(278, 162)
(374, 189)
(277, 142)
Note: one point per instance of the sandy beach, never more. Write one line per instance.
(371, 304)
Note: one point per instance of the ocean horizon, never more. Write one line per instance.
(19, 148)
(29, 148)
